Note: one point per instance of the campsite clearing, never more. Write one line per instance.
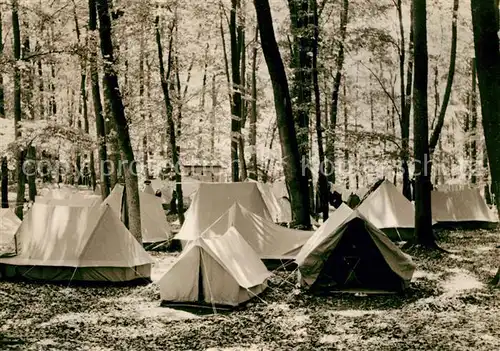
(449, 306)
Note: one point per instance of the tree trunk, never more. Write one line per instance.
(473, 125)
(52, 101)
(346, 148)
(21, 180)
(41, 90)
(265, 178)
(165, 78)
(84, 103)
(145, 147)
(236, 34)
(330, 148)
(253, 168)
(112, 90)
(30, 169)
(201, 110)
(5, 183)
(244, 99)
(2, 96)
(296, 181)
(213, 117)
(449, 82)
(423, 214)
(486, 170)
(322, 203)
(301, 63)
(96, 98)
(405, 94)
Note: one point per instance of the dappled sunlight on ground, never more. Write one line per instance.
(449, 305)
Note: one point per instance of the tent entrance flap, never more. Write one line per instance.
(356, 263)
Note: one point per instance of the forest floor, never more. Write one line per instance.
(449, 306)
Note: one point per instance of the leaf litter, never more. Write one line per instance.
(449, 305)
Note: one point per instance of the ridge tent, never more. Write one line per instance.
(9, 223)
(148, 189)
(115, 199)
(68, 197)
(154, 225)
(462, 208)
(271, 201)
(335, 219)
(223, 270)
(356, 256)
(212, 200)
(279, 189)
(387, 209)
(267, 239)
(63, 243)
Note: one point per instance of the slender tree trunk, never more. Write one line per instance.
(423, 214)
(96, 98)
(84, 102)
(41, 90)
(346, 131)
(52, 102)
(268, 162)
(473, 126)
(145, 147)
(485, 23)
(213, 118)
(467, 123)
(21, 179)
(253, 174)
(296, 181)
(449, 83)
(28, 74)
(3, 160)
(201, 110)
(322, 203)
(236, 33)
(405, 96)
(165, 78)
(5, 183)
(2, 96)
(330, 148)
(243, 88)
(30, 167)
(118, 113)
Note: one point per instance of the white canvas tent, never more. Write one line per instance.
(268, 240)
(279, 189)
(212, 200)
(223, 270)
(465, 207)
(62, 243)
(387, 209)
(354, 256)
(154, 225)
(68, 197)
(9, 223)
(148, 189)
(278, 211)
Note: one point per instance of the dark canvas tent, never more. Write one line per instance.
(354, 256)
